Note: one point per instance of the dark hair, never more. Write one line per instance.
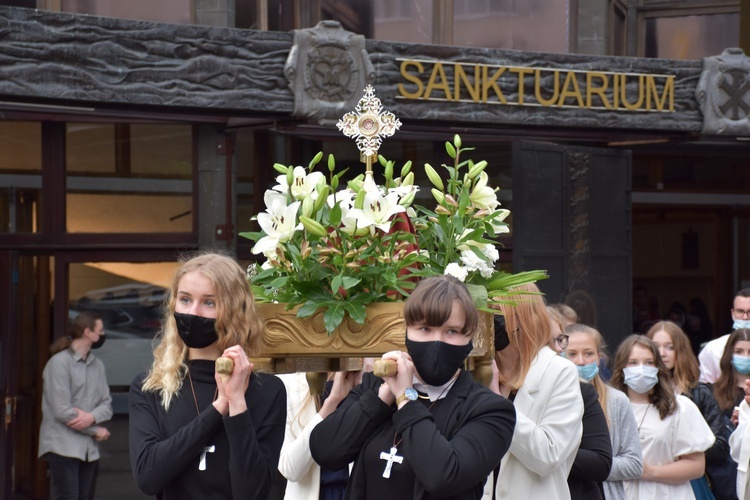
(725, 389)
(745, 292)
(662, 395)
(431, 303)
(76, 328)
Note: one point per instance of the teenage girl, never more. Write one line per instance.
(672, 432)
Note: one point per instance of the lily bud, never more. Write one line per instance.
(407, 200)
(313, 227)
(450, 200)
(388, 171)
(305, 250)
(433, 176)
(307, 206)
(359, 201)
(438, 195)
(408, 180)
(331, 163)
(315, 160)
(406, 168)
(457, 141)
(290, 177)
(450, 149)
(322, 195)
(477, 169)
(282, 169)
(441, 210)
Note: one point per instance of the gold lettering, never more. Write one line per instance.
(522, 72)
(538, 88)
(652, 90)
(438, 71)
(486, 84)
(576, 92)
(461, 76)
(600, 91)
(616, 91)
(624, 96)
(412, 78)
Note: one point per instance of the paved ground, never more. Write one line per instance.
(115, 480)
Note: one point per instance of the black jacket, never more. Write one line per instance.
(703, 398)
(594, 457)
(451, 450)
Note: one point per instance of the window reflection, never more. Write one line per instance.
(129, 299)
(168, 11)
(20, 176)
(510, 24)
(691, 37)
(129, 178)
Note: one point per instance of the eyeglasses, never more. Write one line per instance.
(741, 312)
(562, 341)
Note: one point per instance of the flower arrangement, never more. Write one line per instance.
(340, 246)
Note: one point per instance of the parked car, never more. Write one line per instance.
(132, 317)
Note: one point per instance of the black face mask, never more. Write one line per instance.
(501, 334)
(100, 342)
(196, 331)
(436, 362)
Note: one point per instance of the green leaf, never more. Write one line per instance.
(333, 316)
(348, 282)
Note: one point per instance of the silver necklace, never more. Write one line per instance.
(642, 419)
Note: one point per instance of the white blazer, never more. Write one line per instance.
(549, 409)
(295, 461)
(739, 445)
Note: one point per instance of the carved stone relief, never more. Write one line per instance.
(327, 68)
(722, 93)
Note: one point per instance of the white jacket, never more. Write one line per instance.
(549, 409)
(295, 461)
(739, 445)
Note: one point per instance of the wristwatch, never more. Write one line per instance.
(409, 394)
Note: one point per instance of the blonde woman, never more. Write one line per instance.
(546, 393)
(192, 435)
(585, 350)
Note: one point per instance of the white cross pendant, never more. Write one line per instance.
(202, 463)
(390, 457)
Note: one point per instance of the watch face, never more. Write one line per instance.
(411, 394)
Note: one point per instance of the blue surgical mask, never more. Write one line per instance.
(741, 324)
(741, 364)
(641, 378)
(589, 371)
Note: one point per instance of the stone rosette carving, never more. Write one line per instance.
(327, 68)
(723, 93)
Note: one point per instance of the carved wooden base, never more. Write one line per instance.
(293, 344)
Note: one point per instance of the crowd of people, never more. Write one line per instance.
(562, 418)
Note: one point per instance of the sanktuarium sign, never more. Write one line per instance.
(532, 86)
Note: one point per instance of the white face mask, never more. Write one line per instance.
(641, 378)
(741, 324)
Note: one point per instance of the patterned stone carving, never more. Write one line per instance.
(327, 69)
(722, 93)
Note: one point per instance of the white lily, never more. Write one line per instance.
(482, 195)
(303, 184)
(497, 221)
(279, 224)
(377, 211)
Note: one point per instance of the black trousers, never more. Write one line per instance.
(72, 479)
